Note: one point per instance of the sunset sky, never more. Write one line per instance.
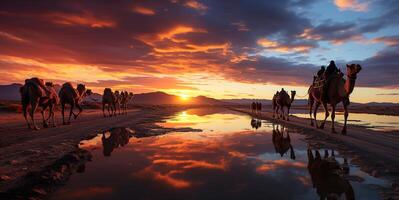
(217, 48)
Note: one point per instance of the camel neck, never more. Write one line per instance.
(350, 84)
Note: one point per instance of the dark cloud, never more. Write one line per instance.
(382, 69)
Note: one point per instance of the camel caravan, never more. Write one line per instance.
(35, 93)
(329, 87)
(115, 101)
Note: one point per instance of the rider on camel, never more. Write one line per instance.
(331, 70)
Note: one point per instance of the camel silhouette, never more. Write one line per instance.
(73, 97)
(338, 91)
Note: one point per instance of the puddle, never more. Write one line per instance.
(234, 157)
(370, 121)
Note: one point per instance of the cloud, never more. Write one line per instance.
(139, 43)
(351, 5)
(388, 40)
(143, 10)
(284, 48)
(196, 5)
(381, 70)
(388, 94)
(336, 33)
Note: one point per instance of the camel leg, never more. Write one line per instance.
(325, 116)
(25, 110)
(103, 110)
(52, 115)
(34, 105)
(332, 119)
(311, 102)
(282, 115)
(80, 111)
(62, 113)
(316, 108)
(71, 112)
(43, 112)
(292, 152)
(346, 114)
(288, 112)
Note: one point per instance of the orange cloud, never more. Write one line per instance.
(281, 48)
(387, 40)
(196, 5)
(188, 164)
(166, 178)
(11, 37)
(143, 10)
(86, 19)
(351, 5)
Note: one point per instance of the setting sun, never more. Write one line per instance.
(184, 97)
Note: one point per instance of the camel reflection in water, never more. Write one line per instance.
(256, 123)
(328, 174)
(282, 144)
(118, 137)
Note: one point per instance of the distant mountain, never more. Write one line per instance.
(297, 102)
(10, 92)
(247, 101)
(164, 98)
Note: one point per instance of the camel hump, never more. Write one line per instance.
(38, 84)
(108, 91)
(67, 85)
(68, 88)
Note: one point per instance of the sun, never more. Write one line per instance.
(184, 97)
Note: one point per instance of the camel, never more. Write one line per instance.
(253, 107)
(109, 100)
(126, 98)
(53, 101)
(256, 123)
(117, 103)
(259, 107)
(34, 94)
(73, 97)
(118, 137)
(275, 105)
(284, 100)
(282, 144)
(327, 176)
(339, 91)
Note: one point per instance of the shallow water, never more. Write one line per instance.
(233, 158)
(370, 121)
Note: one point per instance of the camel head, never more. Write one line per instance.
(49, 84)
(81, 89)
(352, 70)
(293, 93)
(89, 92)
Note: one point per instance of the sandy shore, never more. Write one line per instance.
(23, 151)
